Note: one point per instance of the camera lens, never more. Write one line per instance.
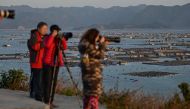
(10, 14)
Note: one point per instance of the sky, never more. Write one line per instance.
(95, 3)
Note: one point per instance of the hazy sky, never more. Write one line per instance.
(96, 3)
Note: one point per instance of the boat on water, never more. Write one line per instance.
(6, 45)
(123, 63)
(10, 57)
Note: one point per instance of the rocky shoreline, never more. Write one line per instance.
(150, 74)
(170, 63)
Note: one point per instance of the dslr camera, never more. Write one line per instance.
(66, 35)
(114, 39)
(9, 14)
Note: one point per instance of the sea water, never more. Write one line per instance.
(114, 76)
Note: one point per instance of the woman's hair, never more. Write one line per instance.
(90, 35)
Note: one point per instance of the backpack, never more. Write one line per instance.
(30, 43)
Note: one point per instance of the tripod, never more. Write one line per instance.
(72, 80)
(54, 71)
(69, 72)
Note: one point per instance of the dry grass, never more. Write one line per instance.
(137, 100)
(66, 90)
(114, 99)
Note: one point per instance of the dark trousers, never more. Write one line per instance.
(48, 72)
(36, 84)
(31, 85)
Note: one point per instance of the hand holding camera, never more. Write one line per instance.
(109, 39)
(103, 39)
(54, 33)
(66, 35)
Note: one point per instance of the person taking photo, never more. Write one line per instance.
(53, 59)
(92, 49)
(36, 52)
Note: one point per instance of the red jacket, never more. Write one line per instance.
(51, 44)
(36, 49)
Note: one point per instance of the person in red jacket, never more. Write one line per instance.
(53, 59)
(36, 50)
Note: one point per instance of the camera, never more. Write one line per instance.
(112, 39)
(66, 35)
(9, 14)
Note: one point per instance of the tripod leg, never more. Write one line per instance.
(54, 71)
(52, 85)
(72, 80)
(31, 85)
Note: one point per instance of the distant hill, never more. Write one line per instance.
(141, 16)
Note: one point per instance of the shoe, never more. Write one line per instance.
(54, 106)
(38, 99)
(32, 95)
(51, 107)
(47, 107)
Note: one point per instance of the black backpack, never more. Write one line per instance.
(30, 43)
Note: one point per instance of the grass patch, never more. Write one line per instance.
(66, 90)
(14, 79)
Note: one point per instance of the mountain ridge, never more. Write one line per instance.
(116, 17)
